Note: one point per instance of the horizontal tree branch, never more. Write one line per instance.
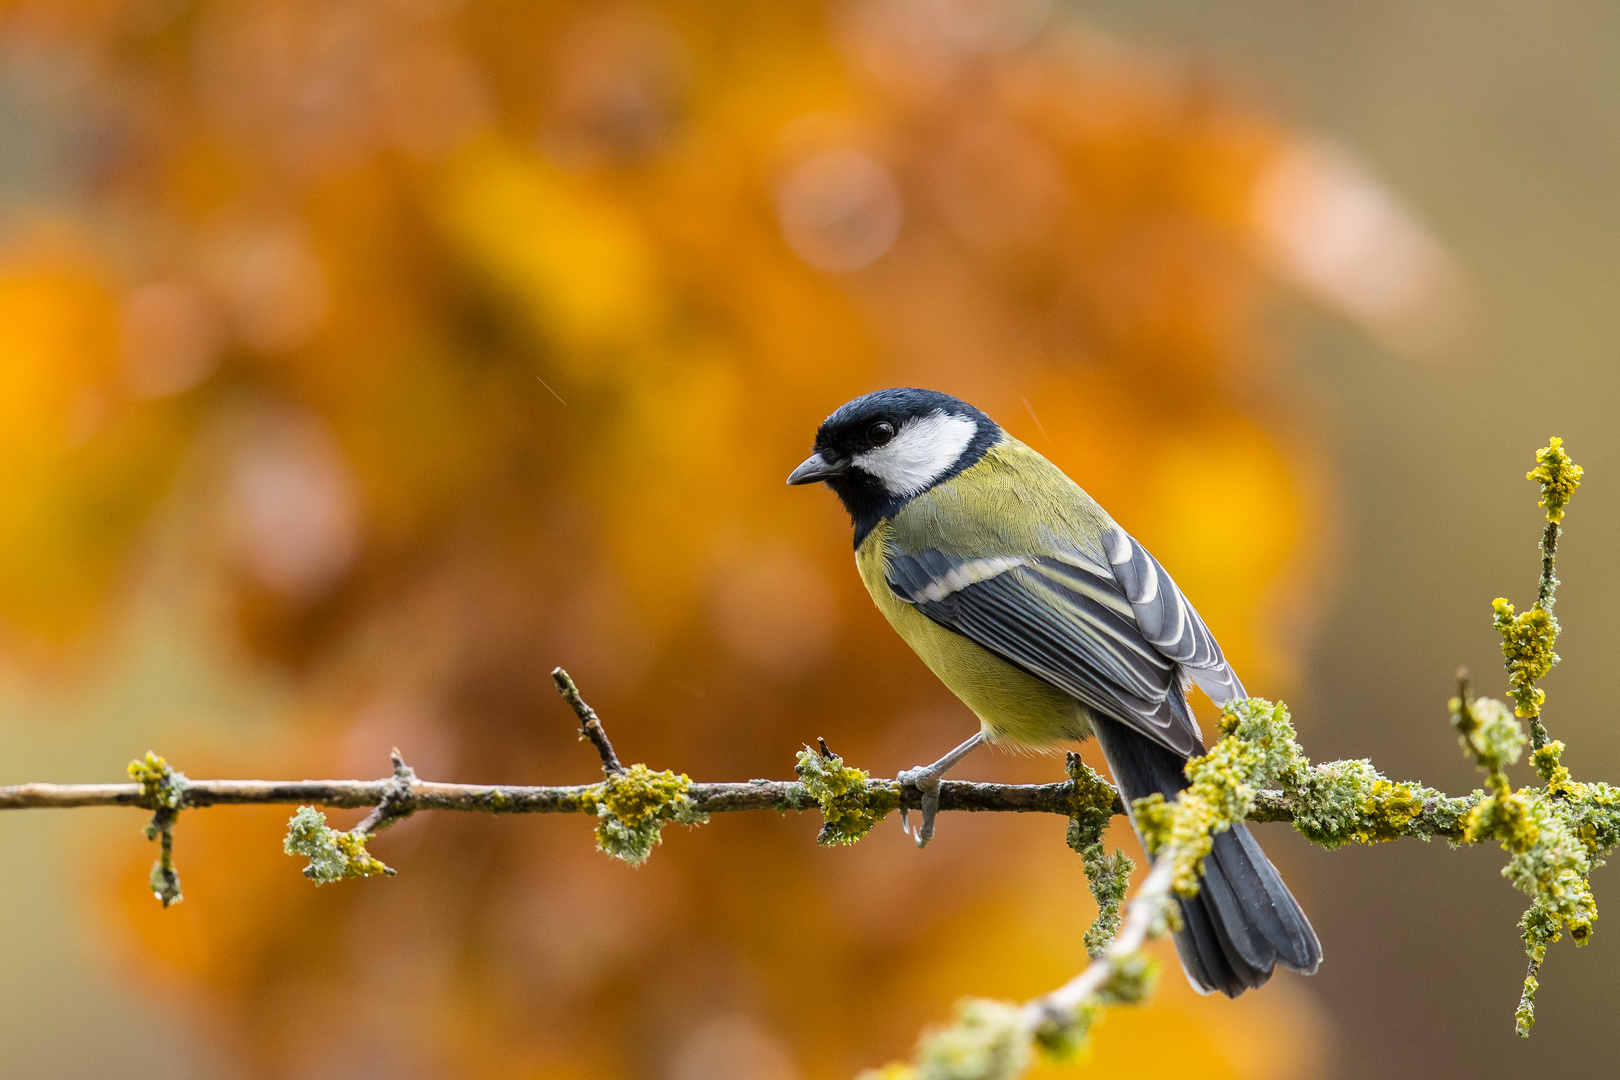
(715, 798)
(710, 798)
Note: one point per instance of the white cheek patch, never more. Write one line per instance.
(921, 452)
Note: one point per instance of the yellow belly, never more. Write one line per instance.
(1012, 706)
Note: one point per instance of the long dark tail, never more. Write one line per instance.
(1244, 921)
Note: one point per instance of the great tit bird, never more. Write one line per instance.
(1051, 623)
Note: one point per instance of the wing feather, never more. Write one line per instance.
(1167, 620)
(1118, 638)
(1060, 622)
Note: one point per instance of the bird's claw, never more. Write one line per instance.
(926, 781)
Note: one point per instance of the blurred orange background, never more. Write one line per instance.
(362, 360)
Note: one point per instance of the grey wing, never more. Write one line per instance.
(1167, 620)
(1063, 619)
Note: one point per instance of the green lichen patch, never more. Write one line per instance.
(1091, 807)
(1063, 1040)
(1549, 765)
(1257, 749)
(1133, 980)
(988, 1040)
(1527, 646)
(332, 855)
(164, 789)
(633, 807)
(1593, 813)
(1107, 874)
(164, 881)
(1488, 733)
(1554, 840)
(162, 786)
(1342, 802)
(1109, 877)
(850, 805)
(1524, 1017)
(1558, 477)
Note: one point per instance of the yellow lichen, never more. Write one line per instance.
(333, 856)
(987, 1041)
(1489, 734)
(1550, 767)
(1558, 477)
(1524, 1017)
(850, 805)
(633, 806)
(1386, 811)
(161, 785)
(1527, 645)
(164, 789)
(1257, 748)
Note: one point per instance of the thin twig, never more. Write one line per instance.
(590, 727)
(1548, 584)
(398, 800)
(1546, 590)
(1144, 910)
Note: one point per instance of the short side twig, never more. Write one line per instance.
(590, 726)
(397, 801)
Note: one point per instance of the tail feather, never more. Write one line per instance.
(1244, 921)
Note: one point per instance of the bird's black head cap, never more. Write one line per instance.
(883, 449)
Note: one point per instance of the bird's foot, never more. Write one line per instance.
(926, 779)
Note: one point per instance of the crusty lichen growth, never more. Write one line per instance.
(1108, 874)
(1257, 749)
(850, 805)
(1558, 477)
(164, 789)
(1334, 803)
(1131, 981)
(333, 856)
(1489, 734)
(988, 1041)
(1527, 645)
(633, 807)
(1342, 802)
(1555, 835)
(163, 786)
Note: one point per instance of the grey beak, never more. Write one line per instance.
(815, 468)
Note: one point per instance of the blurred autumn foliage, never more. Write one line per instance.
(425, 345)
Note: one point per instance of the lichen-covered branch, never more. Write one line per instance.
(1060, 798)
(1527, 640)
(163, 791)
(1555, 834)
(996, 1040)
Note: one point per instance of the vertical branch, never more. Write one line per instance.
(1528, 639)
(1549, 555)
(163, 788)
(165, 879)
(590, 727)
(1546, 589)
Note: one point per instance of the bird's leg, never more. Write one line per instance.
(926, 779)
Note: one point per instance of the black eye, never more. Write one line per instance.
(880, 433)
